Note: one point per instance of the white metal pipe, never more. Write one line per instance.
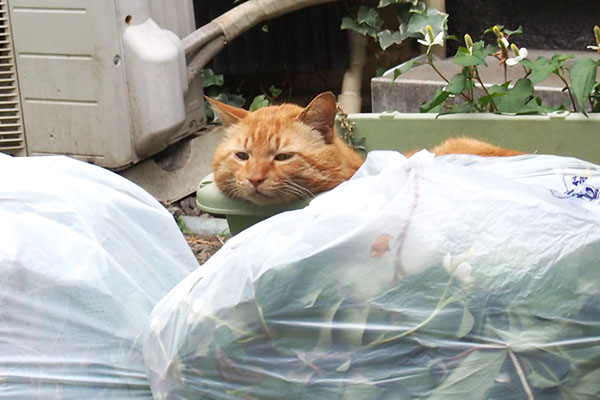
(350, 99)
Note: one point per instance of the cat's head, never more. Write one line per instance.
(278, 154)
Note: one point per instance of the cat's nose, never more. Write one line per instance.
(256, 182)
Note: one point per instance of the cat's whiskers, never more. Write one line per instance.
(231, 187)
(296, 190)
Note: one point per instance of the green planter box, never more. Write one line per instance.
(560, 134)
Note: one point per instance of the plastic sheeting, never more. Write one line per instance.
(448, 278)
(84, 257)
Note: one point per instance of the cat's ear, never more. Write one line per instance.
(320, 115)
(229, 114)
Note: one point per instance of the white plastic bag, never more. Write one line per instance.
(449, 278)
(84, 257)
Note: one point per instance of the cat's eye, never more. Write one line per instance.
(242, 156)
(283, 156)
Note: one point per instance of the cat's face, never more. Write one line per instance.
(278, 154)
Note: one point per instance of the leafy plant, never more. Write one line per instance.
(579, 78)
(214, 86)
(465, 92)
(263, 100)
(327, 327)
(412, 17)
(346, 129)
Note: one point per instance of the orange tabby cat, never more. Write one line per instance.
(279, 154)
(465, 145)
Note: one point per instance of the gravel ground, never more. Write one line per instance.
(203, 246)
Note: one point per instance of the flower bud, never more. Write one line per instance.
(503, 43)
(497, 32)
(515, 49)
(597, 34)
(468, 41)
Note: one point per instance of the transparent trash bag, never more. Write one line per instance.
(84, 257)
(429, 278)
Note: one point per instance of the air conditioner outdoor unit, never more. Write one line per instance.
(101, 81)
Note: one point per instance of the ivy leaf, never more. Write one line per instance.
(478, 370)
(516, 97)
(259, 102)
(460, 109)
(507, 32)
(275, 91)
(466, 324)
(435, 104)
(480, 53)
(582, 75)
(541, 68)
(367, 22)
(369, 16)
(430, 16)
(518, 31)
(404, 68)
(494, 91)
(349, 23)
(581, 385)
(209, 78)
(534, 106)
(457, 83)
(523, 339)
(542, 375)
(387, 38)
(349, 324)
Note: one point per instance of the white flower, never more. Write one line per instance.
(458, 267)
(597, 48)
(437, 41)
(503, 41)
(520, 54)
(430, 39)
(463, 272)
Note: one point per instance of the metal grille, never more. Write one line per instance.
(12, 139)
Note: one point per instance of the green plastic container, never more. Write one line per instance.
(240, 214)
(567, 134)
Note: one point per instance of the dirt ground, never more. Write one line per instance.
(203, 246)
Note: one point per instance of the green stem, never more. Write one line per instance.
(522, 376)
(560, 75)
(437, 71)
(430, 62)
(472, 88)
(494, 107)
(308, 363)
(233, 328)
(440, 306)
(263, 322)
